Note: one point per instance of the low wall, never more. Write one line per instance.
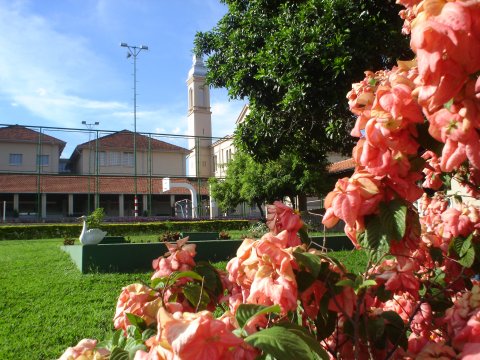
(138, 257)
(334, 243)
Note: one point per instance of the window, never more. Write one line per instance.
(229, 155)
(15, 159)
(215, 163)
(190, 98)
(127, 159)
(204, 163)
(102, 158)
(42, 160)
(114, 158)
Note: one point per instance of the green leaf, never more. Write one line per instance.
(281, 344)
(436, 254)
(304, 280)
(116, 337)
(393, 318)
(383, 294)
(395, 329)
(456, 245)
(375, 328)
(368, 282)
(148, 333)
(136, 321)
(133, 332)
(468, 258)
(119, 354)
(196, 295)
(346, 282)
(211, 279)
(393, 215)
(365, 284)
(184, 274)
(326, 323)
(132, 346)
(448, 104)
(396, 336)
(159, 283)
(303, 233)
(310, 261)
(307, 337)
(465, 250)
(467, 244)
(375, 237)
(247, 311)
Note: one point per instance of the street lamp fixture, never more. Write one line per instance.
(134, 51)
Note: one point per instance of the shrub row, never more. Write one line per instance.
(39, 231)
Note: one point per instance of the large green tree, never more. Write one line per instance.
(256, 183)
(295, 60)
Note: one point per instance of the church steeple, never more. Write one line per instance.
(198, 67)
(199, 120)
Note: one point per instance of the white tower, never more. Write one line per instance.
(199, 121)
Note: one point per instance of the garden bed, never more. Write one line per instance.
(138, 257)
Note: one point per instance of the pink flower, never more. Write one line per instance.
(311, 298)
(455, 223)
(178, 258)
(281, 217)
(196, 336)
(432, 171)
(139, 300)
(85, 350)
(269, 288)
(352, 198)
(447, 51)
(436, 351)
(401, 278)
(469, 333)
(471, 351)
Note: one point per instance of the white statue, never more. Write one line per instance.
(90, 236)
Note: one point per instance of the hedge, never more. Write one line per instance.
(47, 231)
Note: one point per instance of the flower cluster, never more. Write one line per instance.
(85, 350)
(418, 126)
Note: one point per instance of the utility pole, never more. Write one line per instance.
(134, 51)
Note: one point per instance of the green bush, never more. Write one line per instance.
(94, 220)
(48, 231)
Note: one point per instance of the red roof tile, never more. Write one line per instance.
(124, 140)
(341, 166)
(70, 184)
(18, 133)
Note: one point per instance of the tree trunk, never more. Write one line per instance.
(259, 205)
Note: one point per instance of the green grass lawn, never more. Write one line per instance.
(46, 304)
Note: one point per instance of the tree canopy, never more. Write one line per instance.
(255, 183)
(295, 61)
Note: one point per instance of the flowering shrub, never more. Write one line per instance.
(418, 127)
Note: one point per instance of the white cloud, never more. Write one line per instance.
(224, 115)
(48, 72)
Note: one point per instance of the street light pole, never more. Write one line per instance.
(90, 126)
(134, 51)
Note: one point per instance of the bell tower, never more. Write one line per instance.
(199, 121)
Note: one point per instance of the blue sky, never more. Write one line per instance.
(61, 63)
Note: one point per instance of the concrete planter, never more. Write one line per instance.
(138, 257)
(334, 243)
